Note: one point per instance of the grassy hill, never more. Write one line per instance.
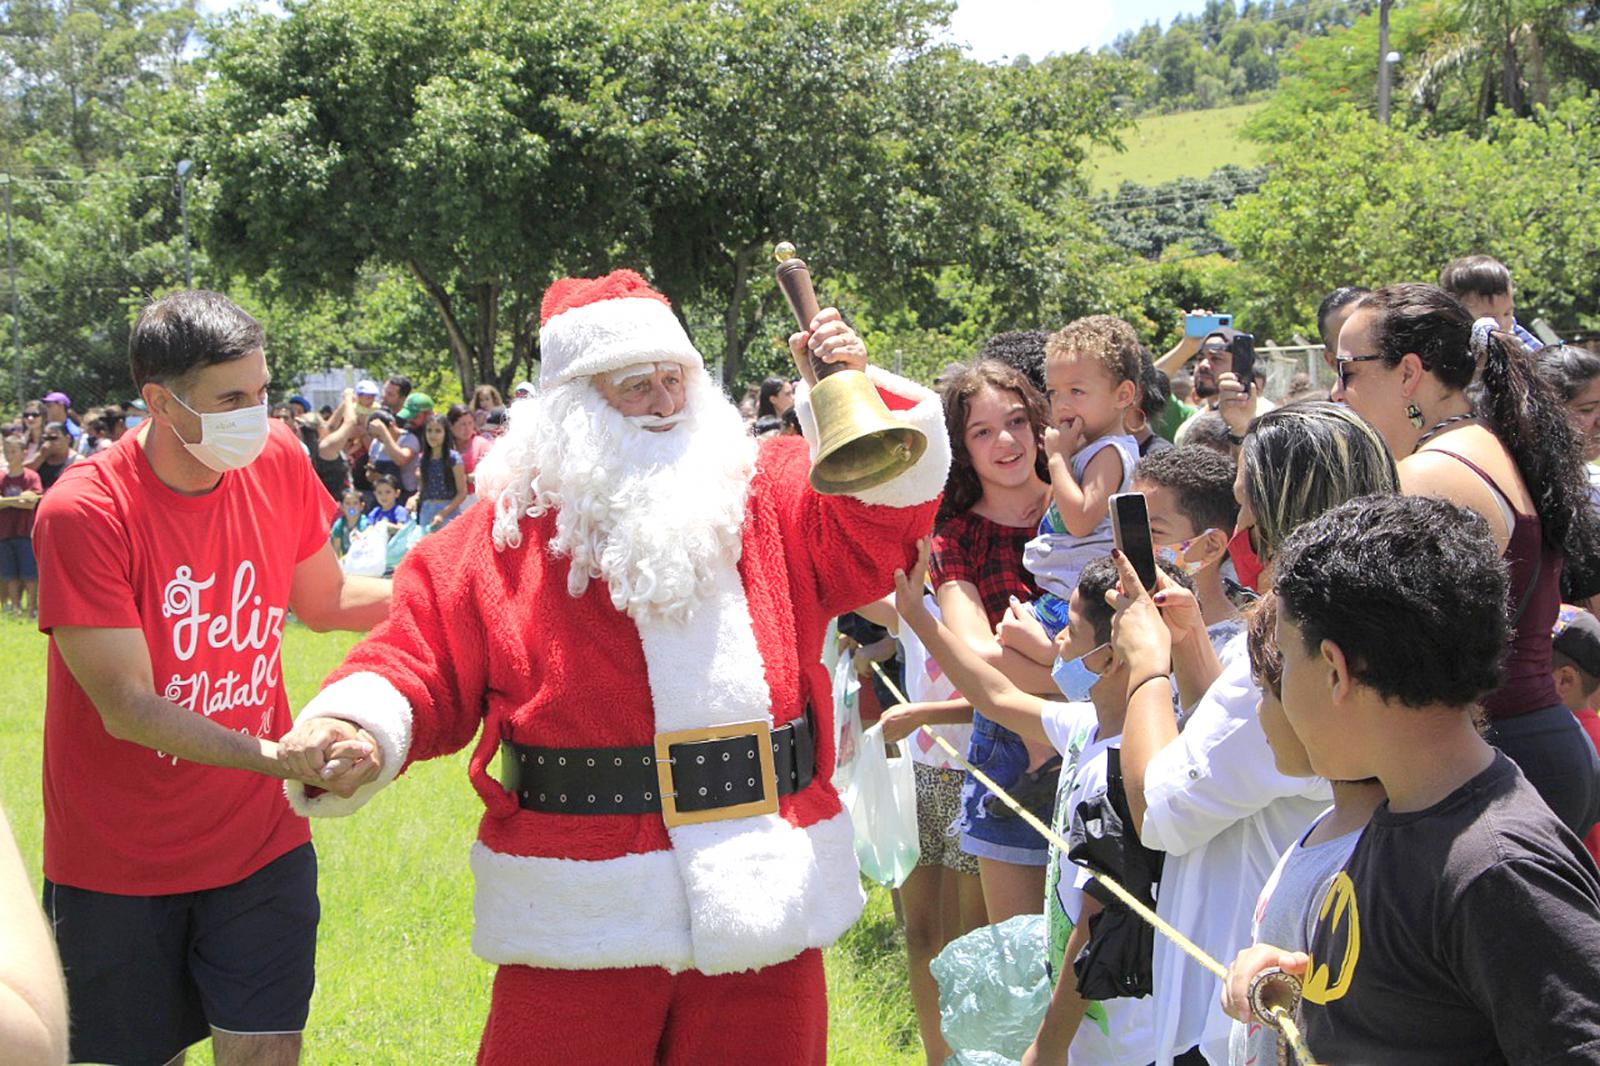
(1187, 144)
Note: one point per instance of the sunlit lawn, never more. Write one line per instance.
(396, 981)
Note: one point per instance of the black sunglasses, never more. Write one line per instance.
(1341, 364)
(33, 414)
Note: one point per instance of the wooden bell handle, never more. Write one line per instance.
(794, 278)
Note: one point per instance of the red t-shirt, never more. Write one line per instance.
(1591, 725)
(18, 521)
(207, 579)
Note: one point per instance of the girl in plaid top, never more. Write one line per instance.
(997, 492)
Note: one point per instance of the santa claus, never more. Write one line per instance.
(635, 623)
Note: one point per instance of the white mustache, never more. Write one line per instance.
(652, 422)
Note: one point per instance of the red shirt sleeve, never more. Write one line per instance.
(316, 508)
(947, 556)
(85, 577)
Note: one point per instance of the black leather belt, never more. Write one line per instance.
(708, 777)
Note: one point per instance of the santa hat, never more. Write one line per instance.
(595, 325)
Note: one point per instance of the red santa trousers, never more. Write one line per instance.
(644, 1015)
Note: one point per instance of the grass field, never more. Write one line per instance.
(396, 981)
(1188, 144)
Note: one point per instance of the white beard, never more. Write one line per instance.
(653, 514)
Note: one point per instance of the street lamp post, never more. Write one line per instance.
(184, 166)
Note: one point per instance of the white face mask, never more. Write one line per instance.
(229, 440)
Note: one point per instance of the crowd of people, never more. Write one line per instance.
(1348, 734)
(1361, 695)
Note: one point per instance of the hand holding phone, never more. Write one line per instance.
(1130, 527)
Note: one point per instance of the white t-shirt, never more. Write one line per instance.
(1286, 915)
(926, 683)
(1129, 1034)
(1218, 807)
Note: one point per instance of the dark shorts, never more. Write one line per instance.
(149, 975)
(16, 560)
(1000, 753)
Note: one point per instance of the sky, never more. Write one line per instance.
(998, 29)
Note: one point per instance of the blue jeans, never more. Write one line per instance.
(431, 509)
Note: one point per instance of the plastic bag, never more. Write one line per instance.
(367, 554)
(402, 541)
(993, 990)
(881, 797)
(846, 719)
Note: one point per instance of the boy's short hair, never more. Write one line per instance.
(1475, 275)
(1099, 578)
(1156, 388)
(1412, 590)
(1336, 301)
(1106, 339)
(186, 331)
(1208, 430)
(1261, 642)
(1202, 481)
(1020, 349)
(386, 479)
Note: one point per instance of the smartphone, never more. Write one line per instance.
(1243, 349)
(1204, 325)
(1130, 525)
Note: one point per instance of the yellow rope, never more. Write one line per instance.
(1280, 1017)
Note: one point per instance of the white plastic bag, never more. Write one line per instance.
(368, 552)
(882, 799)
(846, 719)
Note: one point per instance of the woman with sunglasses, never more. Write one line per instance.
(1406, 357)
(32, 433)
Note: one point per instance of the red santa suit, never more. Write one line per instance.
(700, 942)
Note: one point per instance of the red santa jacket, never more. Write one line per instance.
(490, 644)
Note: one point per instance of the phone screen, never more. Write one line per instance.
(1243, 350)
(1130, 525)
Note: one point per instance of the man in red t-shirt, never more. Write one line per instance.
(1575, 661)
(181, 888)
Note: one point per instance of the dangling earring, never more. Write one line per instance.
(1414, 413)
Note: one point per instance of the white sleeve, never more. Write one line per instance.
(1217, 772)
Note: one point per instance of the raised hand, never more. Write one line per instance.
(908, 588)
(1138, 635)
(830, 340)
(1179, 607)
(1235, 402)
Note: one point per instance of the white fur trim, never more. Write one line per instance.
(634, 910)
(371, 702)
(573, 914)
(609, 335)
(757, 889)
(925, 480)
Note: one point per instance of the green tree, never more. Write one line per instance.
(1509, 53)
(1351, 202)
(485, 147)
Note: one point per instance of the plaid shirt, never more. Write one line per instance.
(971, 548)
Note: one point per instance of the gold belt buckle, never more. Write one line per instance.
(767, 804)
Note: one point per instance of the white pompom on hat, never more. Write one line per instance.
(594, 325)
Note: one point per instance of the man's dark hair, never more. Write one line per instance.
(1208, 430)
(1336, 301)
(1099, 578)
(58, 428)
(401, 383)
(1475, 275)
(188, 331)
(1586, 681)
(1020, 349)
(1412, 590)
(1202, 481)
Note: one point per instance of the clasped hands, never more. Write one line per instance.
(329, 754)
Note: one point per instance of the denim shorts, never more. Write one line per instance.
(999, 753)
(17, 561)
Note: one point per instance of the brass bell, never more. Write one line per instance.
(860, 444)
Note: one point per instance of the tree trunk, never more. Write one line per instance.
(461, 352)
(486, 297)
(732, 349)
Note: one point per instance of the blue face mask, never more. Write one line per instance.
(1073, 678)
